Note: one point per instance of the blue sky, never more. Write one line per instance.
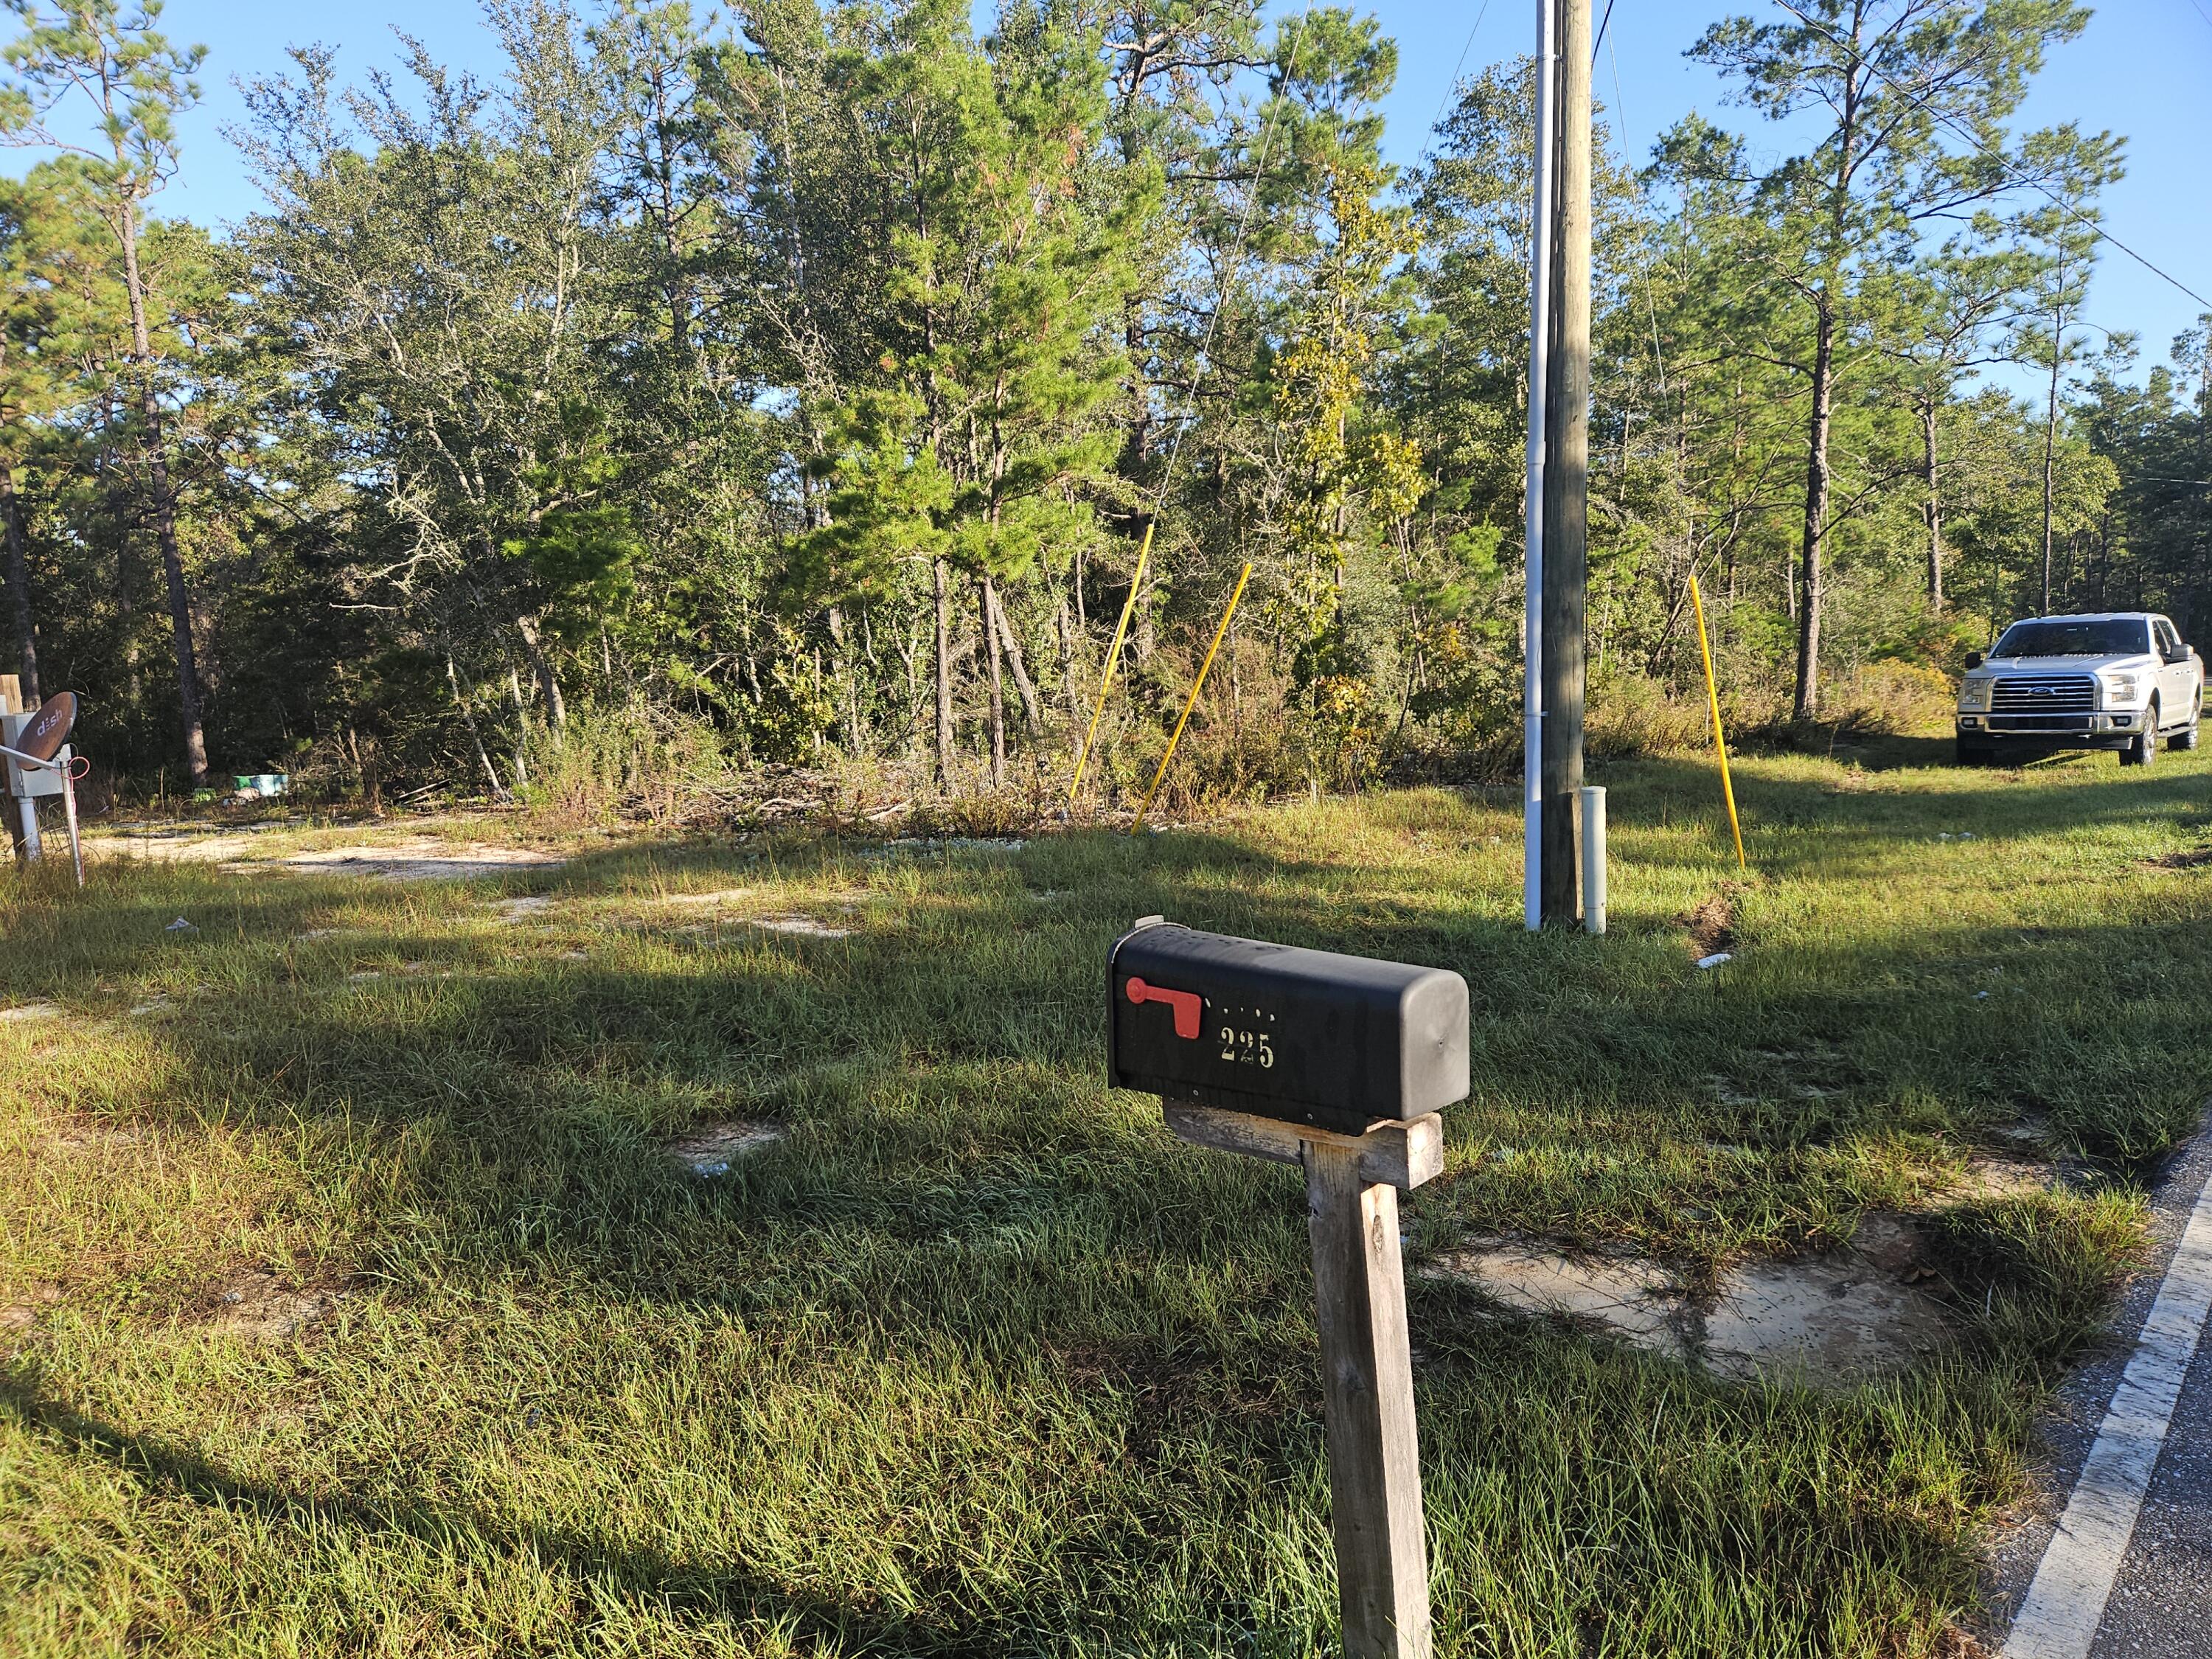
(2143, 69)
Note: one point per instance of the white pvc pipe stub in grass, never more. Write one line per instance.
(1593, 859)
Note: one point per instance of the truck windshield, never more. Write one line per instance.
(2088, 637)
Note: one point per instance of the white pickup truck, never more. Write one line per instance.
(2122, 680)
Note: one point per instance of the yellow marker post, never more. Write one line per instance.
(1713, 698)
(1113, 656)
(1196, 686)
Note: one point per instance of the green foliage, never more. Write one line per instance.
(739, 370)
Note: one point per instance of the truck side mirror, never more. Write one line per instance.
(1975, 660)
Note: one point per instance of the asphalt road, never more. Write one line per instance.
(2156, 1589)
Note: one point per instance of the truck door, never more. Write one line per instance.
(2177, 678)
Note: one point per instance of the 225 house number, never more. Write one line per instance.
(1246, 1048)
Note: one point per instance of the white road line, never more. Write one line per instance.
(2066, 1602)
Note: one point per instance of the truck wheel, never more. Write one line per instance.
(2186, 738)
(2144, 750)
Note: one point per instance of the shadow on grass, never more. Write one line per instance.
(684, 1589)
(955, 1175)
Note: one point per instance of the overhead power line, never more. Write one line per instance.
(1235, 269)
(1452, 85)
(1949, 123)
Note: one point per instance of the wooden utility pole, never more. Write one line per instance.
(1532, 491)
(1566, 460)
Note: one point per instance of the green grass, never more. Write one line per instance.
(977, 1360)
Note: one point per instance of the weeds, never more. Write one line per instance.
(959, 1353)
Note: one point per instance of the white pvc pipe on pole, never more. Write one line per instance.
(1532, 534)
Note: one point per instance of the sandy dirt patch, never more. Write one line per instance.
(23, 1312)
(260, 1307)
(422, 858)
(178, 843)
(712, 1148)
(800, 926)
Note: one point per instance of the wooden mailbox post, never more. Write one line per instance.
(1339, 1064)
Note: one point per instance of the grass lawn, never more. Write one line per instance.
(975, 1359)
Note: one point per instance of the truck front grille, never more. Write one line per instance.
(2044, 694)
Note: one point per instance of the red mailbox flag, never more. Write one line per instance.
(1186, 1004)
(46, 731)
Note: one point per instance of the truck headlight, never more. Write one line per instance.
(2121, 690)
(1974, 695)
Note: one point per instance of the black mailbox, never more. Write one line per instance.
(1309, 1036)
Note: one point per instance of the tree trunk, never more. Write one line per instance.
(984, 612)
(181, 604)
(1816, 513)
(2049, 446)
(541, 667)
(1141, 639)
(1067, 674)
(26, 639)
(1566, 475)
(1032, 711)
(164, 503)
(475, 737)
(943, 611)
(848, 671)
(1932, 509)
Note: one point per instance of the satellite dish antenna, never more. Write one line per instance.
(46, 731)
(38, 739)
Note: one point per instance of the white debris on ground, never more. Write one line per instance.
(1717, 959)
(421, 859)
(23, 1013)
(180, 925)
(926, 844)
(712, 1148)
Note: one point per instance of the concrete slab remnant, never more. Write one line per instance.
(1632, 1298)
(1823, 1321)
